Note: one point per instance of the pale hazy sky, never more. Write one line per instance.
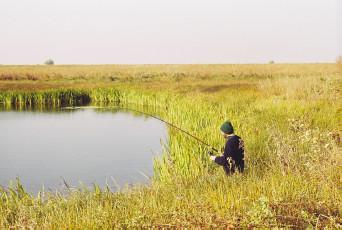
(169, 31)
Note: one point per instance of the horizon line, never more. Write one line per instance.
(127, 64)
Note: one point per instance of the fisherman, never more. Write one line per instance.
(232, 159)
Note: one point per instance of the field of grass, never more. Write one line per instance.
(288, 115)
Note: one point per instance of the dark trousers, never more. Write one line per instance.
(232, 167)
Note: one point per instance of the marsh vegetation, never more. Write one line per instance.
(288, 115)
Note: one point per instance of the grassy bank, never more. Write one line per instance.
(288, 115)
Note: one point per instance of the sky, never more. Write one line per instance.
(169, 31)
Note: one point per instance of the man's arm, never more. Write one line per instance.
(222, 160)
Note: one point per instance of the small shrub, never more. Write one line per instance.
(49, 62)
(261, 213)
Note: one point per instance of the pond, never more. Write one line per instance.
(80, 146)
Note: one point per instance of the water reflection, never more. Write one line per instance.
(42, 146)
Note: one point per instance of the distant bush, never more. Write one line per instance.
(271, 62)
(49, 62)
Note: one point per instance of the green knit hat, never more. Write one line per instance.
(227, 127)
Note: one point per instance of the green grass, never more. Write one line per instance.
(288, 115)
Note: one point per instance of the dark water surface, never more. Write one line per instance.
(84, 145)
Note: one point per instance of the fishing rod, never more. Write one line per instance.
(155, 117)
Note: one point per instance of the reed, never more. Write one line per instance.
(292, 148)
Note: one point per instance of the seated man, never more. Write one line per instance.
(233, 155)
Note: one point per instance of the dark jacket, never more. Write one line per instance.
(234, 149)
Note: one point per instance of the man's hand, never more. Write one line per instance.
(211, 155)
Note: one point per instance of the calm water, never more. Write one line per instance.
(83, 145)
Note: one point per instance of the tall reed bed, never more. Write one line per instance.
(49, 97)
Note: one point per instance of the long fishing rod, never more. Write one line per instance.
(172, 125)
(155, 117)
